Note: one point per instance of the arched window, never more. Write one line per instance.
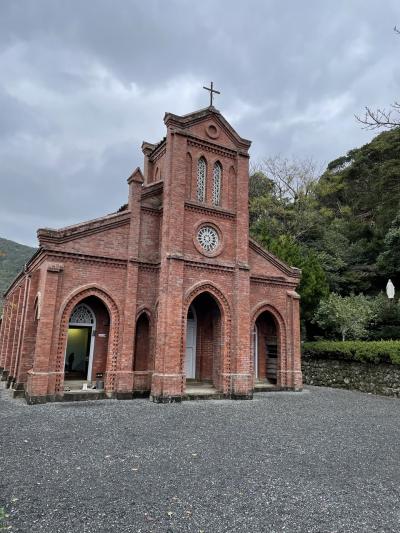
(201, 179)
(82, 314)
(217, 174)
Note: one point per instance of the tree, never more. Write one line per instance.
(292, 178)
(287, 203)
(387, 322)
(389, 259)
(348, 316)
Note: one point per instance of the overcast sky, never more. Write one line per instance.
(83, 83)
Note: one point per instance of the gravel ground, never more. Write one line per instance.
(319, 461)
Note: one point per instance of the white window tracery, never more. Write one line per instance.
(217, 175)
(82, 314)
(201, 179)
(208, 238)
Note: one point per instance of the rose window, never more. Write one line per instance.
(208, 238)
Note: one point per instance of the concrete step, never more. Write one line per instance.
(79, 396)
(201, 391)
(268, 387)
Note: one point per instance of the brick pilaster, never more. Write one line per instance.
(41, 378)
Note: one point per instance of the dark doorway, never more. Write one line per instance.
(266, 348)
(142, 344)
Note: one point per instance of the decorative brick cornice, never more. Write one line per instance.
(158, 153)
(272, 280)
(153, 189)
(149, 268)
(208, 145)
(151, 150)
(157, 211)
(76, 256)
(90, 227)
(208, 210)
(146, 266)
(203, 265)
(55, 267)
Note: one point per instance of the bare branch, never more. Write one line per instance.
(380, 118)
(291, 178)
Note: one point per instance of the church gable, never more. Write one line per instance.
(263, 263)
(210, 126)
(211, 130)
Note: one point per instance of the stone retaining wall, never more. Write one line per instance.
(378, 379)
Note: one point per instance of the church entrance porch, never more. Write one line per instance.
(203, 346)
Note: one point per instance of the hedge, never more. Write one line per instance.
(359, 351)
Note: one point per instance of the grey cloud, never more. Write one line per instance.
(83, 83)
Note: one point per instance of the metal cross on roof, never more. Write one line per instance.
(212, 91)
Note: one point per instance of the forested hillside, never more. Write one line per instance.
(13, 256)
(342, 228)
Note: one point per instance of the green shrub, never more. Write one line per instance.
(359, 351)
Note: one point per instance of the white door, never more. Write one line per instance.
(190, 366)
(255, 351)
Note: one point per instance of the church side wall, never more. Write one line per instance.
(30, 328)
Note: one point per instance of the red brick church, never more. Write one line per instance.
(165, 297)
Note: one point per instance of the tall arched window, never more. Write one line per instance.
(201, 179)
(217, 174)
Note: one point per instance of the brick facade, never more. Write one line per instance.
(142, 268)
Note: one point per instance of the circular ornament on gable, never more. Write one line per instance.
(212, 131)
(208, 240)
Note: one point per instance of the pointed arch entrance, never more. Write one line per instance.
(203, 355)
(142, 344)
(266, 348)
(87, 341)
